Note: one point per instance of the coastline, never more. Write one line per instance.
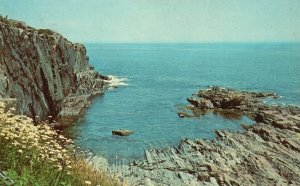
(49, 79)
(267, 152)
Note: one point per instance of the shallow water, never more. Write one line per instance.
(161, 76)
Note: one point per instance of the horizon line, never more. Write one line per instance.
(218, 42)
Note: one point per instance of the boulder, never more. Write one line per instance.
(122, 132)
(181, 114)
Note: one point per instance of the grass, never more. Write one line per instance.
(37, 155)
(45, 31)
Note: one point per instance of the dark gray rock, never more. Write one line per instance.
(122, 132)
(46, 73)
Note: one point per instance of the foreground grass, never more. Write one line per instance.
(37, 155)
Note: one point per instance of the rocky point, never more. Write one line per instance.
(45, 75)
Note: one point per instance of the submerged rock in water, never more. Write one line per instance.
(182, 114)
(122, 132)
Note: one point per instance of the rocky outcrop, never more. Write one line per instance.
(47, 74)
(266, 153)
(226, 102)
(217, 97)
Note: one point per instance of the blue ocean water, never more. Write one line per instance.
(161, 76)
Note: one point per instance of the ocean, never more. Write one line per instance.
(157, 79)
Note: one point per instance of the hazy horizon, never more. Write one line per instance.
(198, 42)
(168, 21)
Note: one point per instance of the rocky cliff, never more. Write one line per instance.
(48, 76)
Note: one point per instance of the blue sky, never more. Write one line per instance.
(162, 20)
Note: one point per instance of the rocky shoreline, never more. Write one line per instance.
(266, 153)
(45, 75)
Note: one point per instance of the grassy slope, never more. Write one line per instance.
(37, 155)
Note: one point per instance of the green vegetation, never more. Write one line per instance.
(15, 23)
(37, 155)
(45, 31)
(4, 19)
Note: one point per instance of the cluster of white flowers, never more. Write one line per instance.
(21, 135)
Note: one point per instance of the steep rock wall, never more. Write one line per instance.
(47, 74)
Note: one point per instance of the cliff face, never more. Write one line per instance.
(46, 74)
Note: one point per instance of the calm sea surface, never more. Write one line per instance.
(161, 76)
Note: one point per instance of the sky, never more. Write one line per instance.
(162, 21)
